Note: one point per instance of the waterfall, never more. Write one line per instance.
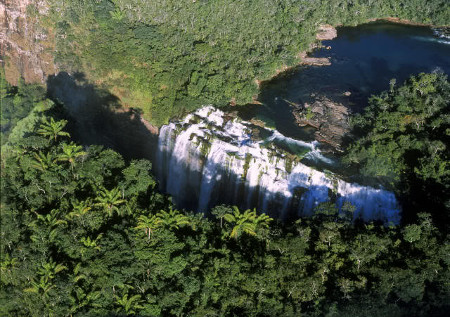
(210, 158)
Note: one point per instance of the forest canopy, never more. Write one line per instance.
(167, 57)
(404, 142)
(86, 233)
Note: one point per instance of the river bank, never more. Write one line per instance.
(325, 32)
(328, 32)
(407, 22)
(365, 60)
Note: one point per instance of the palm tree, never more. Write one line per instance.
(248, 222)
(8, 264)
(91, 243)
(220, 212)
(48, 270)
(78, 276)
(172, 219)
(70, 153)
(43, 161)
(109, 200)
(82, 299)
(52, 129)
(42, 287)
(129, 305)
(51, 219)
(262, 221)
(241, 222)
(149, 224)
(79, 209)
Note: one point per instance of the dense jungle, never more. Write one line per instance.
(86, 229)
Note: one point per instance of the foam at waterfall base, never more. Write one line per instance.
(208, 159)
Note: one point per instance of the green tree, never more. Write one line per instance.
(42, 287)
(149, 224)
(220, 212)
(79, 209)
(109, 200)
(403, 142)
(48, 270)
(81, 299)
(52, 129)
(46, 227)
(43, 161)
(172, 219)
(70, 153)
(129, 305)
(246, 222)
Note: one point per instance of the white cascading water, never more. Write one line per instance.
(209, 158)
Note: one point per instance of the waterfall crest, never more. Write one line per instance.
(209, 158)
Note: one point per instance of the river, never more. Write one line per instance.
(364, 59)
(211, 158)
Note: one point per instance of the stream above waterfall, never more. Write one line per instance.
(363, 59)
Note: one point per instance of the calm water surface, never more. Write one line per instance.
(364, 60)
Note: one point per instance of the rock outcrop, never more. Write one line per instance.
(26, 47)
(313, 61)
(330, 119)
(326, 32)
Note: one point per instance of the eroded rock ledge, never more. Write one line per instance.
(329, 118)
(326, 32)
(313, 61)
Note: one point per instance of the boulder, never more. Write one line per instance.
(329, 118)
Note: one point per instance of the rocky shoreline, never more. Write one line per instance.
(313, 61)
(330, 117)
(326, 32)
(331, 120)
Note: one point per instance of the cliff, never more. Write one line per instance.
(26, 45)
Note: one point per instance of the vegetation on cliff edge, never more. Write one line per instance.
(168, 57)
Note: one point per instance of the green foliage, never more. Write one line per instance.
(52, 129)
(16, 103)
(172, 219)
(109, 200)
(404, 140)
(170, 57)
(94, 238)
(247, 222)
(149, 224)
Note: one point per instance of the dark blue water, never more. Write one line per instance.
(364, 60)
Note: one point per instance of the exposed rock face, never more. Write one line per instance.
(326, 32)
(331, 119)
(313, 61)
(26, 48)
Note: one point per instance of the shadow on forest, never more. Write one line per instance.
(98, 117)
